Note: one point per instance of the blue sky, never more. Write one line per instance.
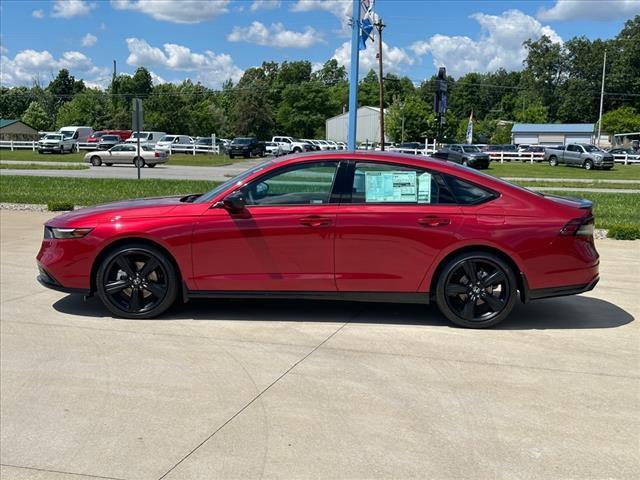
(213, 40)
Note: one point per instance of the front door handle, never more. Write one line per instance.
(434, 221)
(315, 221)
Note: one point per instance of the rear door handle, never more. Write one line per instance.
(315, 221)
(434, 221)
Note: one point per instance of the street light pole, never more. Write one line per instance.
(379, 26)
(604, 67)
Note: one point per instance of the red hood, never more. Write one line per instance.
(144, 207)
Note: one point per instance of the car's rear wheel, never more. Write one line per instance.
(231, 156)
(138, 162)
(553, 161)
(476, 290)
(151, 165)
(588, 164)
(136, 281)
(95, 161)
(108, 164)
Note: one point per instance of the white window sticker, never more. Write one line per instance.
(390, 187)
(424, 188)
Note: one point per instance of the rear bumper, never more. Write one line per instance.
(537, 294)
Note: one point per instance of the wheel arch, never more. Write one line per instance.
(140, 241)
(521, 279)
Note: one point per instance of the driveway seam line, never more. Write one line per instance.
(59, 471)
(248, 404)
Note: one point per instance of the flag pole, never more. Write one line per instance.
(353, 75)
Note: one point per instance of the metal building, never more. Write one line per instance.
(368, 128)
(552, 133)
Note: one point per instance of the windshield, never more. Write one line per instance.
(143, 135)
(167, 138)
(110, 137)
(592, 148)
(53, 137)
(470, 148)
(67, 133)
(233, 181)
(242, 141)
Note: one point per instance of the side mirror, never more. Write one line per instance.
(234, 202)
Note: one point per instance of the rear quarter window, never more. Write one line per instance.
(467, 193)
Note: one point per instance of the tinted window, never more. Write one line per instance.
(467, 193)
(471, 148)
(574, 148)
(390, 183)
(303, 184)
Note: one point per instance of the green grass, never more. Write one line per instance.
(90, 191)
(37, 166)
(610, 208)
(568, 184)
(30, 156)
(543, 170)
(202, 160)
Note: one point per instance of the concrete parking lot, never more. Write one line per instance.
(281, 389)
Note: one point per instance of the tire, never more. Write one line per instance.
(464, 297)
(553, 161)
(108, 164)
(247, 155)
(606, 168)
(138, 162)
(465, 162)
(127, 290)
(588, 164)
(231, 157)
(297, 150)
(95, 161)
(151, 165)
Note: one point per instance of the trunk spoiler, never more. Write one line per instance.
(571, 201)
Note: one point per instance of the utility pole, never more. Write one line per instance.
(379, 25)
(604, 67)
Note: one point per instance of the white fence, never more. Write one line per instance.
(516, 156)
(18, 144)
(33, 145)
(192, 149)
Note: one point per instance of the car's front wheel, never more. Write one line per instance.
(476, 290)
(95, 161)
(137, 281)
(588, 164)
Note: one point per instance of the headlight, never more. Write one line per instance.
(54, 232)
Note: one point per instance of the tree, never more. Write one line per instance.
(36, 117)
(90, 107)
(369, 90)
(621, 120)
(417, 117)
(304, 109)
(533, 112)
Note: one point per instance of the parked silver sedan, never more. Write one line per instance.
(126, 153)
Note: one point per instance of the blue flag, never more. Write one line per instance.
(366, 26)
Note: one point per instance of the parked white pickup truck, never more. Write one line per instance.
(291, 145)
(56, 143)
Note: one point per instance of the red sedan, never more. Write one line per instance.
(351, 226)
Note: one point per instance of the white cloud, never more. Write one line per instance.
(89, 40)
(211, 69)
(275, 36)
(37, 14)
(264, 5)
(590, 10)
(71, 8)
(499, 45)
(176, 11)
(3, 50)
(339, 8)
(29, 64)
(394, 59)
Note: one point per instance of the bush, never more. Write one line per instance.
(59, 206)
(624, 232)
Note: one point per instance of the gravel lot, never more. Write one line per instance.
(281, 389)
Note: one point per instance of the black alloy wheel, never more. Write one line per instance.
(476, 290)
(136, 281)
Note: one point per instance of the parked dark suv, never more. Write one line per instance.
(246, 147)
(469, 155)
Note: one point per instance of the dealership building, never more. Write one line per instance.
(552, 133)
(368, 126)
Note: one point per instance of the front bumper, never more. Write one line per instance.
(47, 280)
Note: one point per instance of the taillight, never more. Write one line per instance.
(156, 154)
(583, 226)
